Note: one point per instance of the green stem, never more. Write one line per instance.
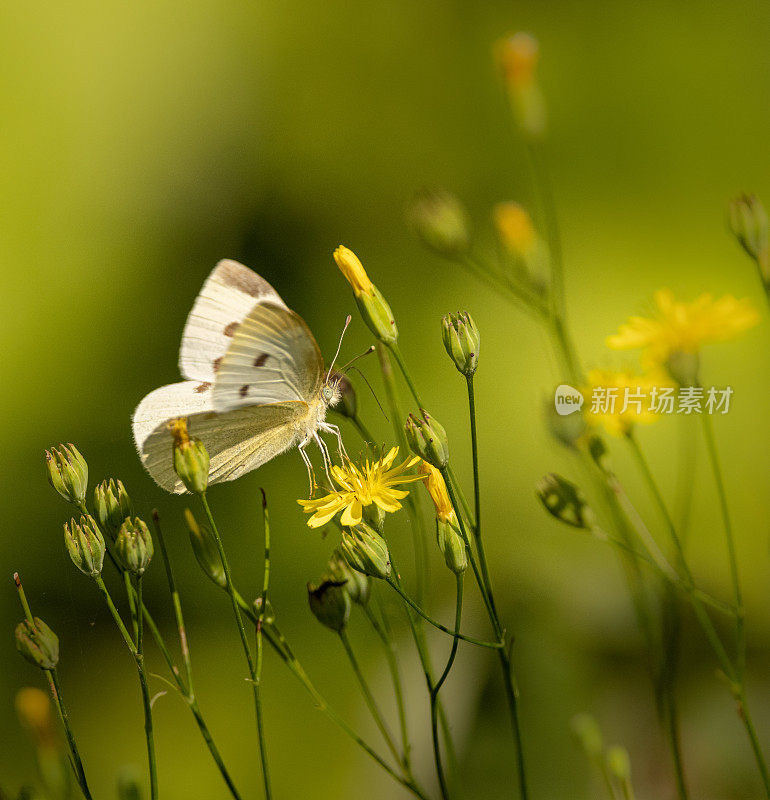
(260, 624)
(396, 350)
(437, 688)
(363, 431)
(77, 764)
(148, 731)
(369, 697)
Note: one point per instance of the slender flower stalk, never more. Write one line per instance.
(259, 636)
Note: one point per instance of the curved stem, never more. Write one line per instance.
(77, 764)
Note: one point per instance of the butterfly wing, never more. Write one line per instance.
(227, 297)
(273, 358)
(237, 441)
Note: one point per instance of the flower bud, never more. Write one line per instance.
(568, 429)
(67, 472)
(749, 224)
(441, 222)
(589, 735)
(428, 439)
(129, 784)
(522, 244)
(330, 603)
(461, 340)
(518, 56)
(366, 551)
(619, 763)
(191, 459)
(133, 546)
(206, 550)
(451, 544)
(357, 584)
(683, 367)
(85, 544)
(374, 309)
(564, 501)
(111, 506)
(348, 403)
(38, 644)
(437, 490)
(269, 617)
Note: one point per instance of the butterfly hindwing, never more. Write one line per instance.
(230, 292)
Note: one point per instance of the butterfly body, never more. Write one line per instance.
(255, 383)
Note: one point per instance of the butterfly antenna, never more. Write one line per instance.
(366, 352)
(374, 395)
(339, 346)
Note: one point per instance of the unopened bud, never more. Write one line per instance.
(749, 224)
(269, 616)
(38, 643)
(206, 551)
(518, 56)
(357, 584)
(348, 403)
(366, 551)
(133, 546)
(619, 763)
(85, 544)
(461, 340)
(587, 732)
(451, 544)
(191, 459)
(428, 439)
(522, 244)
(568, 429)
(564, 501)
(111, 506)
(441, 222)
(330, 603)
(67, 472)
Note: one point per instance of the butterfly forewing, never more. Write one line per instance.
(227, 297)
(273, 358)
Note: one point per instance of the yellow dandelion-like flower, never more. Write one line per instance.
(371, 483)
(680, 327)
(618, 399)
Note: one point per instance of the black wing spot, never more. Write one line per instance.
(231, 328)
(244, 390)
(202, 387)
(259, 361)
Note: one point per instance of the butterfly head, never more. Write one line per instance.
(331, 392)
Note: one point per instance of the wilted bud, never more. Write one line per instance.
(564, 501)
(518, 56)
(366, 551)
(357, 584)
(85, 544)
(348, 403)
(374, 309)
(191, 459)
(619, 763)
(588, 734)
(38, 644)
(111, 506)
(133, 546)
(461, 340)
(451, 544)
(206, 550)
(330, 603)
(748, 222)
(428, 439)
(67, 472)
(441, 222)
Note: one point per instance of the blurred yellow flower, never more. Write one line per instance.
(618, 399)
(437, 490)
(515, 228)
(680, 327)
(372, 483)
(34, 709)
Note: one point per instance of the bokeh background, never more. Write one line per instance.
(142, 142)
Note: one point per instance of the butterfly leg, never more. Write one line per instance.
(326, 457)
(334, 429)
(306, 459)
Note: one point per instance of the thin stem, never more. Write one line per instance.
(369, 697)
(148, 731)
(77, 764)
(437, 688)
(260, 624)
(364, 432)
(236, 608)
(396, 350)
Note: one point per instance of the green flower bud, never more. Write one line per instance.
(428, 439)
(564, 501)
(357, 584)
(451, 544)
(38, 644)
(348, 403)
(206, 550)
(587, 732)
(749, 224)
(366, 551)
(567, 429)
(133, 546)
(461, 340)
(111, 506)
(67, 472)
(191, 459)
(269, 617)
(441, 222)
(330, 603)
(619, 766)
(85, 544)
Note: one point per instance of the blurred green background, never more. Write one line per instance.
(142, 142)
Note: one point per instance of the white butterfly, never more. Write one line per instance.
(255, 383)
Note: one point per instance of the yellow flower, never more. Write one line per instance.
(353, 270)
(515, 228)
(618, 399)
(359, 487)
(437, 490)
(34, 710)
(680, 327)
(518, 56)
